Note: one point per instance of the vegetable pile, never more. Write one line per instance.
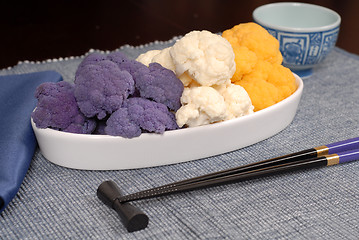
(205, 63)
(111, 95)
(203, 78)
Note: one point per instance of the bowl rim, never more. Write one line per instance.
(332, 26)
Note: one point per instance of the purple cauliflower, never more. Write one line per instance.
(154, 82)
(57, 109)
(101, 87)
(159, 84)
(112, 95)
(126, 64)
(120, 124)
(92, 58)
(137, 115)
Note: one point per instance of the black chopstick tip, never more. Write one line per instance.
(133, 218)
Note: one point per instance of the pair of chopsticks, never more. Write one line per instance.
(326, 155)
(331, 154)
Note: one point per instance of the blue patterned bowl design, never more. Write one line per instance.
(304, 50)
(306, 32)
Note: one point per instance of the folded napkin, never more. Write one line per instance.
(17, 140)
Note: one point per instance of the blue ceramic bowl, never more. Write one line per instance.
(306, 32)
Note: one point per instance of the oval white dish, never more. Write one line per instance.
(102, 152)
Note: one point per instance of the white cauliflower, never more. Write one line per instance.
(206, 57)
(237, 100)
(201, 105)
(200, 56)
(164, 58)
(146, 58)
(204, 62)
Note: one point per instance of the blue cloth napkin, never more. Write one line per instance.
(17, 140)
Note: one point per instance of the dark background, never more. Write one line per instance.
(40, 30)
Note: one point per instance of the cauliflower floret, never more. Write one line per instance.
(120, 124)
(268, 84)
(146, 58)
(237, 100)
(154, 81)
(201, 105)
(57, 109)
(126, 64)
(92, 58)
(256, 39)
(206, 57)
(139, 114)
(104, 82)
(187, 80)
(101, 88)
(259, 68)
(164, 58)
(159, 84)
(246, 60)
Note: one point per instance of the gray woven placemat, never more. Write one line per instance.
(59, 203)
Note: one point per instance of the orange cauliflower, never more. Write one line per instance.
(268, 84)
(258, 65)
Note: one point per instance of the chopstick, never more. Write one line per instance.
(325, 155)
(135, 219)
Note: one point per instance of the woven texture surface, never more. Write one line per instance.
(59, 203)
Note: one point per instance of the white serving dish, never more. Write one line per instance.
(102, 152)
